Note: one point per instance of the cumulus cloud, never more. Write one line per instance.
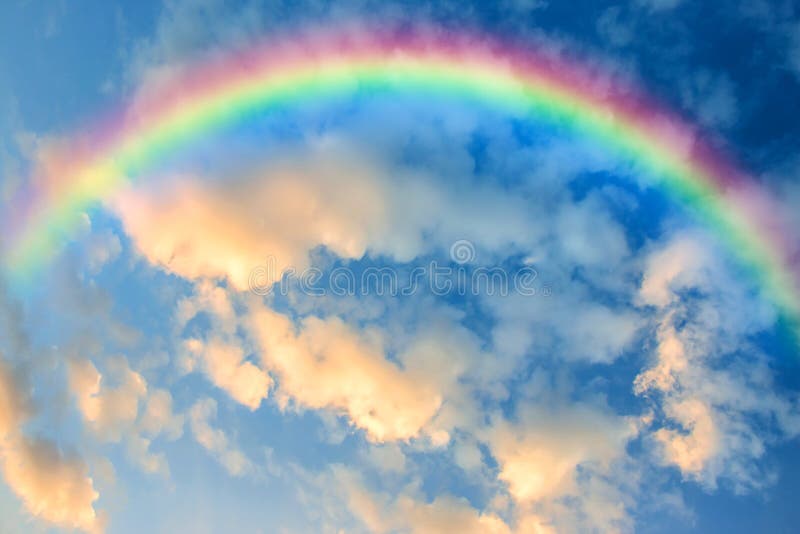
(227, 369)
(111, 405)
(324, 364)
(677, 266)
(387, 457)
(53, 486)
(617, 32)
(101, 246)
(225, 231)
(108, 410)
(691, 448)
(331, 194)
(717, 400)
(221, 356)
(539, 457)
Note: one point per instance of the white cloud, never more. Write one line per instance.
(539, 457)
(225, 231)
(158, 416)
(54, 487)
(215, 441)
(379, 513)
(221, 356)
(715, 391)
(325, 196)
(109, 410)
(228, 370)
(567, 325)
(101, 247)
(698, 441)
(387, 457)
(677, 266)
(324, 364)
(111, 405)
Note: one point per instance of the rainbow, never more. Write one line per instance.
(204, 97)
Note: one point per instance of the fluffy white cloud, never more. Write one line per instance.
(717, 400)
(324, 364)
(221, 356)
(256, 226)
(226, 367)
(681, 264)
(53, 486)
(211, 230)
(698, 441)
(111, 405)
(109, 410)
(539, 456)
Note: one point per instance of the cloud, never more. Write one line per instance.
(109, 411)
(325, 195)
(715, 393)
(568, 325)
(215, 441)
(698, 441)
(678, 265)
(102, 249)
(610, 27)
(53, 486)
(221, 356)
(158, 416)
(157, 419)
(712, 98)
(14, 402)
(322, 203)
(111, 406)
(408, 513)
(539, 456)
(589, 235)
(387, 457)
(187, 26)
(324, 364)
(227, 369)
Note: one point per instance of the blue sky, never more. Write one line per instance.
(643, 384)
